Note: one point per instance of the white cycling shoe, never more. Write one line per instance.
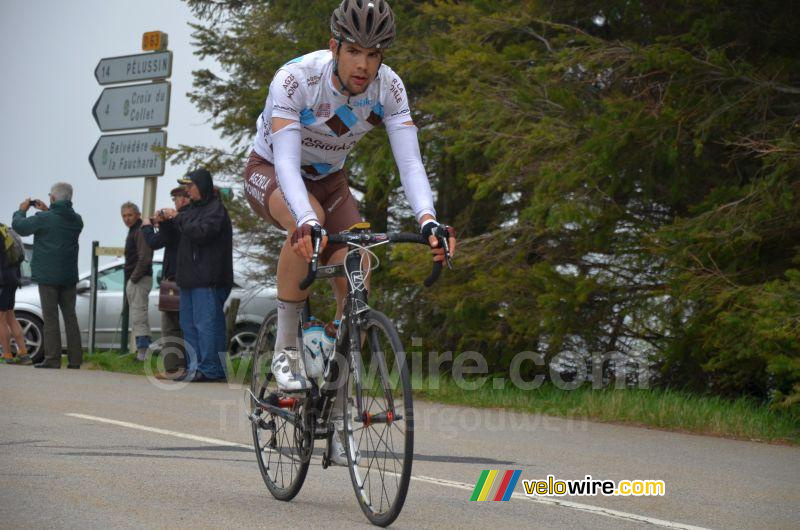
(338, 453)
(287, 367)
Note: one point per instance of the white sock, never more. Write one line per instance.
(288, 323)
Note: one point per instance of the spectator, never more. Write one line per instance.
(54, 267)
(12, 253)
(204, 274)
(167, 238)
(138, 277)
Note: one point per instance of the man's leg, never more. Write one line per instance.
(66, 301)
(48, 296)
(16, 332)
(291, 271)
(189, 329)
(140, 294)
(5, 336)
(220, 333)
(205, 311)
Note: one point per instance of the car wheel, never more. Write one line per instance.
(243, 341)
(33, 330)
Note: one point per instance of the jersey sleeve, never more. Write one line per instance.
(394, 99)
(287, 93)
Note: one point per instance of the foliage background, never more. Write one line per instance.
(623, 175)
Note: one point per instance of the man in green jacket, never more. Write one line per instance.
(54, 268)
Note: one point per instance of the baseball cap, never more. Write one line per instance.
(180, 191)
(201, 178)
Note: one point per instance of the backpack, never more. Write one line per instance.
(12, 245)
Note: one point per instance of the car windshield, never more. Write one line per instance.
(114, 279)
(111, 279)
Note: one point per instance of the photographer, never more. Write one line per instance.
(168, 237)
(204, 274)
(54, 267)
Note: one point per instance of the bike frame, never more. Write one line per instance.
(347, 350)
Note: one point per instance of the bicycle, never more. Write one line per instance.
(377, 408)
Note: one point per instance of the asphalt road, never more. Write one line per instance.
(85, 449)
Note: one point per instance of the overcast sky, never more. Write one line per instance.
(50, 51)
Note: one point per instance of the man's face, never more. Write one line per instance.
(180, 201)
(129, 217)
(358, 66)
(194, 192)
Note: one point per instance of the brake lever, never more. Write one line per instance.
(443, 240)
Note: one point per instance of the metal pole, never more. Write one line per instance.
(93, 298)
(149, 200)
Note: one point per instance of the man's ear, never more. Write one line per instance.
(333, 44)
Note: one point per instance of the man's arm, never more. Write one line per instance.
(154, 240)
(405, 147)
(286, 147)
(145, 258)
(24, 225)
(203, 229)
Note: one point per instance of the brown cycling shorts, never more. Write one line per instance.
(332, 192)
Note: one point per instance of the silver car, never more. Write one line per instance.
(256, 302)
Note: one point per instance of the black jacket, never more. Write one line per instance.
(205, 250)
(10, 275)
(138, 256)
(167, 237)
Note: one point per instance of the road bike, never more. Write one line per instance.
(366, 377)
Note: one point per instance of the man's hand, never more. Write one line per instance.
(25, 205)
(39, 205)
(302, 244)
(146, 221)
(427, 227)
(167, 213)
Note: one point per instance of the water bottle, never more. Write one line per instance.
(313, 348)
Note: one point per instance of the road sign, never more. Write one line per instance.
(128, 155)
(154, 40)
(133, 107)
(139, 67)
(109, 251)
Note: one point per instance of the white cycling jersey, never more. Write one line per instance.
(332, 123)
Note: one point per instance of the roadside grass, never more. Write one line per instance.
(665, 409)
(654, 408)
(112, 361)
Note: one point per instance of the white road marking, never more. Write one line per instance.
(597, 510)
(176, 434)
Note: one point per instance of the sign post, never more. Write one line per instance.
(93, 298)
(127, 107)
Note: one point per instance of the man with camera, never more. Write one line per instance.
(54, 267)
(138, 277)
(168, 237)
(204, 274)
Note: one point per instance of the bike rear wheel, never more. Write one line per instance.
(380, 442)
(283, 448)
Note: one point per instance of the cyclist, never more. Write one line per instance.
(319, 105)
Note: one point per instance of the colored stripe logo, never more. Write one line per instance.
(503, 487)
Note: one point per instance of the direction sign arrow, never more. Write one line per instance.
(133, 107)
(128, 155)
(137, 67)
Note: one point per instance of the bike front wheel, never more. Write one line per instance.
(379, 439)
(282, 446)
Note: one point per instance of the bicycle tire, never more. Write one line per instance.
(280, 434)
(368, 444)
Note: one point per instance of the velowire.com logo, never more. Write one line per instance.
(492, 486)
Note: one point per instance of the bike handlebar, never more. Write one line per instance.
(367, 238)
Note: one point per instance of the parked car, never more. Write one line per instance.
(255, 303)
